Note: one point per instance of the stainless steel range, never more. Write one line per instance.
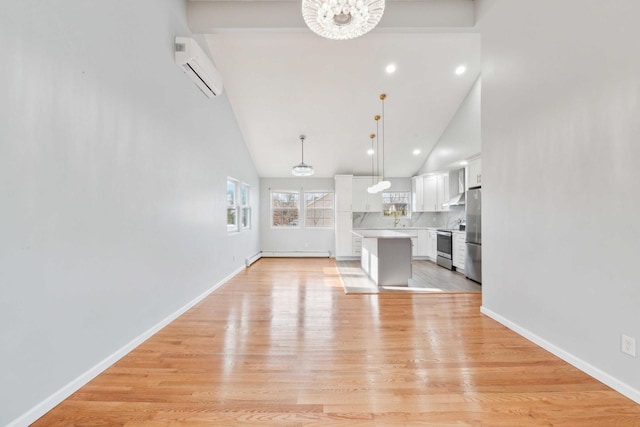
(445, 249)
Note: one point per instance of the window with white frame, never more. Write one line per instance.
(396, 203)
(285, 209)
(318, 206)
(232, 204)
(245, 208)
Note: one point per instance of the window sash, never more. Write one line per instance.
(232, 219)
(245, 218)
(232, 188)
(232, 208)
(399, 200)
(318, 209)
(244, 195)
(285, 209)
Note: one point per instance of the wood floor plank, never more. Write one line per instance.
(282, 345)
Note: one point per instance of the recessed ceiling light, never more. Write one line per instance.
(463, 163)
(460, 70)
(391, 68)
(416, 151)
(370, 152)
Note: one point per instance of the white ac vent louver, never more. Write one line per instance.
(197, 65)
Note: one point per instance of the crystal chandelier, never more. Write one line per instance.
(302, 169)
(342, 19)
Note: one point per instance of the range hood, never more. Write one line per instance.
(458, 200)
(456, 188)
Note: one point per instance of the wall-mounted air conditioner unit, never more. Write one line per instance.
(197, 65)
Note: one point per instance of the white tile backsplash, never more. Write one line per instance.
(448, 219)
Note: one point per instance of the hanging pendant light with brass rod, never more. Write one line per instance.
(383, 184)
(375, 187)
(372, 188)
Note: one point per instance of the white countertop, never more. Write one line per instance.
(397, 228)
(381, 234)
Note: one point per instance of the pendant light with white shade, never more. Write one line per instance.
(302, 169)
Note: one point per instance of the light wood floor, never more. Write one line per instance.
(282, 345)
(426, 276)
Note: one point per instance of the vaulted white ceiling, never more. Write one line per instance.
(282, 80)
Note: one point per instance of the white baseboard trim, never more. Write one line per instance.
(253, 258)
(295, 254)
(585, 367)
(49, 403)
(347, 258)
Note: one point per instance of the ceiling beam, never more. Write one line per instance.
(210, 17)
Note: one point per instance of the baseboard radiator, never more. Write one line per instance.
(296, 254)
(253, 258)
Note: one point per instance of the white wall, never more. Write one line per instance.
(560, 150)
(461, 139)
(300, 239)
(113, 174)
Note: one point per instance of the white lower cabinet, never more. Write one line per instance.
(356, 245)
(432, 244)
(459, 250)
(423, 243)
(414, 247)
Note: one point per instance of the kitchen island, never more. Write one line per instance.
(386, 256)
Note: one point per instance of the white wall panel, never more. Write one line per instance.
(287, 239)
(461, 139)
(113, 173)
(560, 132)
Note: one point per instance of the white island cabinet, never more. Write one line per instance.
(386, 256)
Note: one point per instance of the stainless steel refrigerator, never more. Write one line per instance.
(473, 261)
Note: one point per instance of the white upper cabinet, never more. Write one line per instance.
(430, 190)
(362, 200)
(417, 194)
(442, 192)
(344, 191)
(429, 193)
(474, 173)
